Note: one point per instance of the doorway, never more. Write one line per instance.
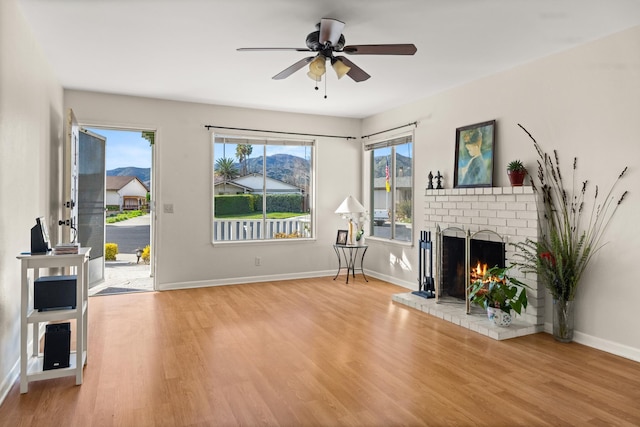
(128, 219)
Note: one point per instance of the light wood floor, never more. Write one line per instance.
(319, 353)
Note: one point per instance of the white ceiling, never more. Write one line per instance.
(186, 49)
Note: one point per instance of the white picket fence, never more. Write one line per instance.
(257, 229)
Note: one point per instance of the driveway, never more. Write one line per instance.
(130, 234)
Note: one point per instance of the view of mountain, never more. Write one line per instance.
(143, 174)
(404, 162)
(284, 167)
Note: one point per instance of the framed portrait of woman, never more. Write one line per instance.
(475, 145)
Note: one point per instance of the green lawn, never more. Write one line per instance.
(270, 215)
(123, 216)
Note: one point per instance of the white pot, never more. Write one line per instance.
(498, 317)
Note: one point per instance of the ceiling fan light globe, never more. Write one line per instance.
(314, 77)
(317, 66)
(340, 68)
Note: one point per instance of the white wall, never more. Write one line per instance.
(133, 188)
(584, 102)
(112, 198)
(185, 256)
(31, 118)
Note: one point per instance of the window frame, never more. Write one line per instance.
(369, 148)
(258, 140)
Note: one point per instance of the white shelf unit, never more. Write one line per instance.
(31, 363)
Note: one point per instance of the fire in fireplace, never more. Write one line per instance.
(461, 257)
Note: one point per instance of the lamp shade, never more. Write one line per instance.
(350, 205)
(340, 67)
(317, 67)
(314, 77)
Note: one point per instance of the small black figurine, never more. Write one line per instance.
(430, 186)
(439, 181)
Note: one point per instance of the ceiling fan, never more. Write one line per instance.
(327, 41)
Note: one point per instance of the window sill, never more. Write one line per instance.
(299, 240)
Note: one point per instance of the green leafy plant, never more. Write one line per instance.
(123, 216)
(499, 290)
(516, 165)
(568, 240)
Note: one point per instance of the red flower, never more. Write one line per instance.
(548, 256)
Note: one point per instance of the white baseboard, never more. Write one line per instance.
(601, 344)
(242, 280)
(8, 381)
(394, 280)
(14, 373)
(289, 276)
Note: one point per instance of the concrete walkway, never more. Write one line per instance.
(125, 274)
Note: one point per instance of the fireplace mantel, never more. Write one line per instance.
(508, 211)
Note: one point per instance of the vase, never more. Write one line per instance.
(498, 317)
(563, 320)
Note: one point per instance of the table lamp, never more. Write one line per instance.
(347, 209)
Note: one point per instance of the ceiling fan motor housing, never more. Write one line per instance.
(313, 43)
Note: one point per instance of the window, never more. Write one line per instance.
(262, 188)
(391, 186)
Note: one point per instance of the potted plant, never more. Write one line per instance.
(499, 293)
(516, 172)
(571, 231)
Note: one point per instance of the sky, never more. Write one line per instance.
(125, 148)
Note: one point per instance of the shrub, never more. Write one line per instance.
(294, 235)
(146, 254)
(110, 251)
(234, 204)
(403, 209)
(284, 203)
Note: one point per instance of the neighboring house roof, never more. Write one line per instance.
(254, 182)
(115, 183)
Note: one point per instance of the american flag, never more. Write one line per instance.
(386, 177)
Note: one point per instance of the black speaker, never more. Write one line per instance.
(57, 346)
(40, 237)
(54, 292)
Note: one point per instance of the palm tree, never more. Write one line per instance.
(243, 151)
(225, 169)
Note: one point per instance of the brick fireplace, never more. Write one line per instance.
(510, 212)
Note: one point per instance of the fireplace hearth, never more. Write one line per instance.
(489, 219)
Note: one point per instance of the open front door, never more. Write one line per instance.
(91, 200)
(71, 177)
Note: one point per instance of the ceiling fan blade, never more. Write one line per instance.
(297, 49)
(293, 68)
(356, 73)
(330, 31)
(380, 49)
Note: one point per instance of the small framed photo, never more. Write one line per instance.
(341, 239)
(475, 145)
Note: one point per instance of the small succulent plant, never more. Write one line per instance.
(515, 165)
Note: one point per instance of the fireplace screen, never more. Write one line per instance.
(462, 257)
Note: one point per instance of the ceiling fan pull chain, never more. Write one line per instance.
(325, 87)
